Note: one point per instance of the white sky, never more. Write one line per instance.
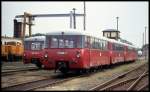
(133, 17)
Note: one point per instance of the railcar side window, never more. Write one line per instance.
(102, 44)
(118, 47)
(105, 45)
(92, 42)
(43, 45)
(96, 43)
(113, 46)
(99, 45)
(130, 49)
(79, 41)
(86, 42)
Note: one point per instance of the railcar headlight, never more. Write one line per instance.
(45, 55)
(24, 54)
(78, 54)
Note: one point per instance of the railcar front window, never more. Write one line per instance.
(35, 46)
(54, 43)
(61, 43)
(11, 43)
(65, 41)
(71, 44)
(29, 45)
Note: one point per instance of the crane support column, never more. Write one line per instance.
(74, 18)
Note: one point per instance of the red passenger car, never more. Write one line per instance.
(130, 53)
(33, 50)
(80, 50)
(117, 50)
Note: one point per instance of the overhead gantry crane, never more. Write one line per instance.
(31, 17)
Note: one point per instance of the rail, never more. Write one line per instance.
(10, 72)
(39, 83)
(103, 85)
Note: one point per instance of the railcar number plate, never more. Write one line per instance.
(62, 53)
(35, 53)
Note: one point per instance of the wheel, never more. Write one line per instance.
(39, 65)
(84, 70)
(10, 57)
(63, 70)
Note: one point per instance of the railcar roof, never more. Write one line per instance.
(39, 38)
(87, 32)
(75, 32)
(10, 40)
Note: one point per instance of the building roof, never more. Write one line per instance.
(109, 30)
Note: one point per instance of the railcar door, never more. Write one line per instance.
(87, 52)
(110, 52)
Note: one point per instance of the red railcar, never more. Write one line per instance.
(130, 53)
(80, 50)
(33, 50)
(117, 50)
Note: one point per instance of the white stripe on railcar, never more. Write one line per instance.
(38, 38)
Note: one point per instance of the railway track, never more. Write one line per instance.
(40, 83)
(52, 81)
(127, 81)
(10, 72)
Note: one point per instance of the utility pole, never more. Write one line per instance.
(145, 44)
(74, 18)
(70, 19)
(143, 38)
(24, 26)
(30, 24)
(84, 16)
(145, 35)
(117, 22)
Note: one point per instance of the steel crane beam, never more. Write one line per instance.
(49, 15)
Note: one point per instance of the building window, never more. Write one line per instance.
(113, 34)
(107, 34)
